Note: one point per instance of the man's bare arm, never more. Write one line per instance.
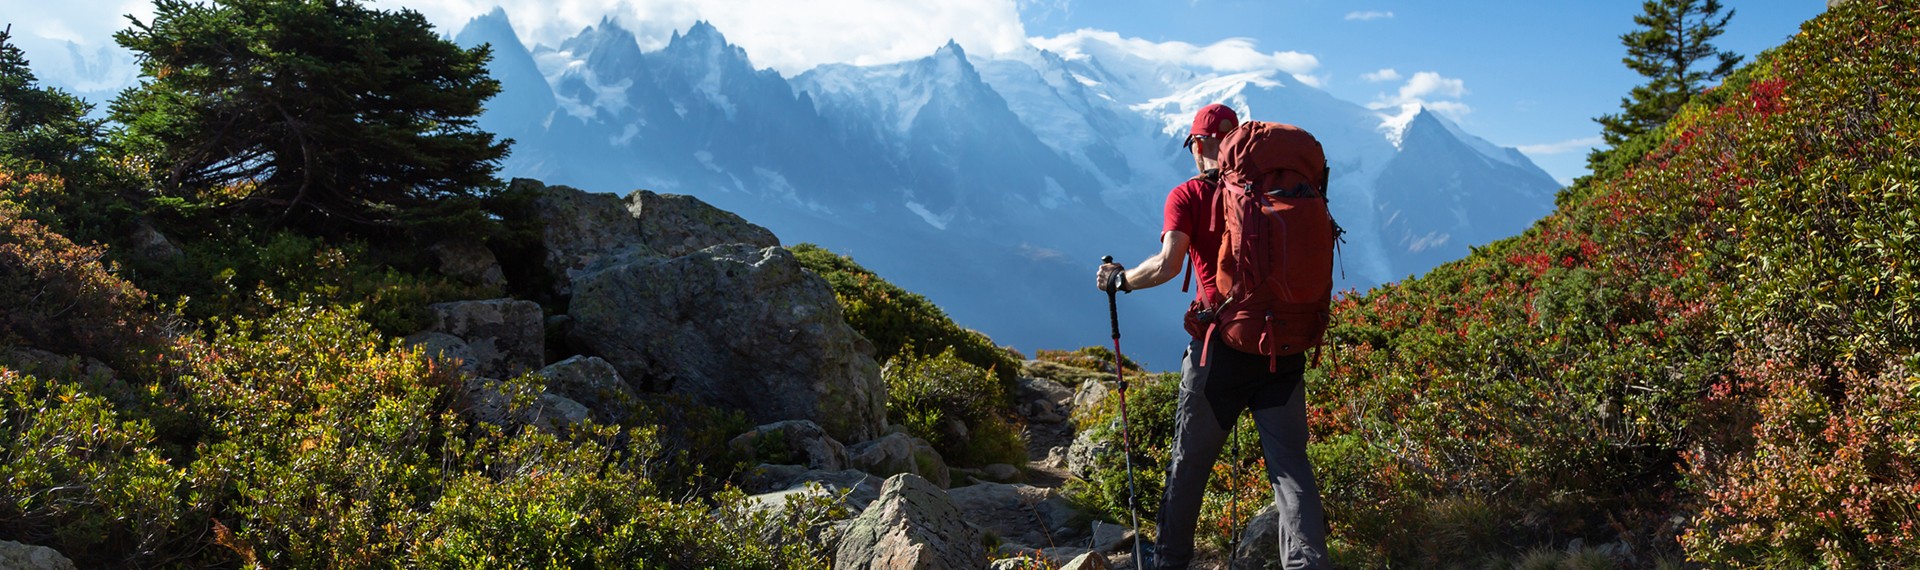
(1162, 266)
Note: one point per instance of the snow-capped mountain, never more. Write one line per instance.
(991, 184)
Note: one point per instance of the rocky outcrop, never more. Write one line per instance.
(897, 453)
(469, 261)
(505, 337)
(579, 227)
(593, 383)
(1022, 514)
(674, 225)
(17, 556)
(735, 327)
(856, 489)
(912, 525)
(792, 442)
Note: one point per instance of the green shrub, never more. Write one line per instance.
(1707, 351)
(895, 319)
(77, 476)
(242, 271)
(954, 405)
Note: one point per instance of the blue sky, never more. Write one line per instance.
(1534, 73)
(1524, 74)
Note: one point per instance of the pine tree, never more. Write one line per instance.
(1674, 36)
(317, 113)
(40, 127)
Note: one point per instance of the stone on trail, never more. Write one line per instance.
(913, 525)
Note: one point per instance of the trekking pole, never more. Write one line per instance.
(1126, 442)
(1233, 492)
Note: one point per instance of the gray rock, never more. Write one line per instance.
(469, 261)
(674, 225)
(506, 336)
(1111, 537)
(913, 525)
(1081, 455)
(1089, 561)
(1056, 458)
(1089, 396)
(1021, 514)
(447, 349)
(768, 477)
(1003, 473)
(17, 556)
(1043, 389)
(896, 453)
(579, 227)
(792, 442)
(855, 489)
(737, 328)
(487, 400)
(1042, 411)
(1260, 542)
(149, 244)
(594, 383)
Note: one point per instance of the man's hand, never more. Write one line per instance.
(1111, 277)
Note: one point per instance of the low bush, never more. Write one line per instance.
(59, 296)
(954, 405)
(895, 319)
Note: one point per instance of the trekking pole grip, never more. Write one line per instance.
(1113, 311)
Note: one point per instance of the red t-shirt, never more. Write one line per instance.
(1189, 211)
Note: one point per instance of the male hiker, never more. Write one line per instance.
(1218, 380)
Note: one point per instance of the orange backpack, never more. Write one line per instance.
(1275, 265)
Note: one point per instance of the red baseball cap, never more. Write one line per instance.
(1212, 121)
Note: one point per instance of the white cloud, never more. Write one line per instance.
(1387, 74)
(1369, 15)
(1562, 147)
(1427, 89)
(788, 36)
(1232, 55)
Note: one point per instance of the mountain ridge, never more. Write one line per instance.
(1019, 166)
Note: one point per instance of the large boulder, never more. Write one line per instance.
(17, 556)
(470, 261)
(912, 526)
(792, 442)
(735, 327)
(674, 225)
(897, 453)
(593, 383)
(579, 227)
(505, 337)
(1022, 514)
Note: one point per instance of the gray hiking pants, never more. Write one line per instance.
(1211, 399)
